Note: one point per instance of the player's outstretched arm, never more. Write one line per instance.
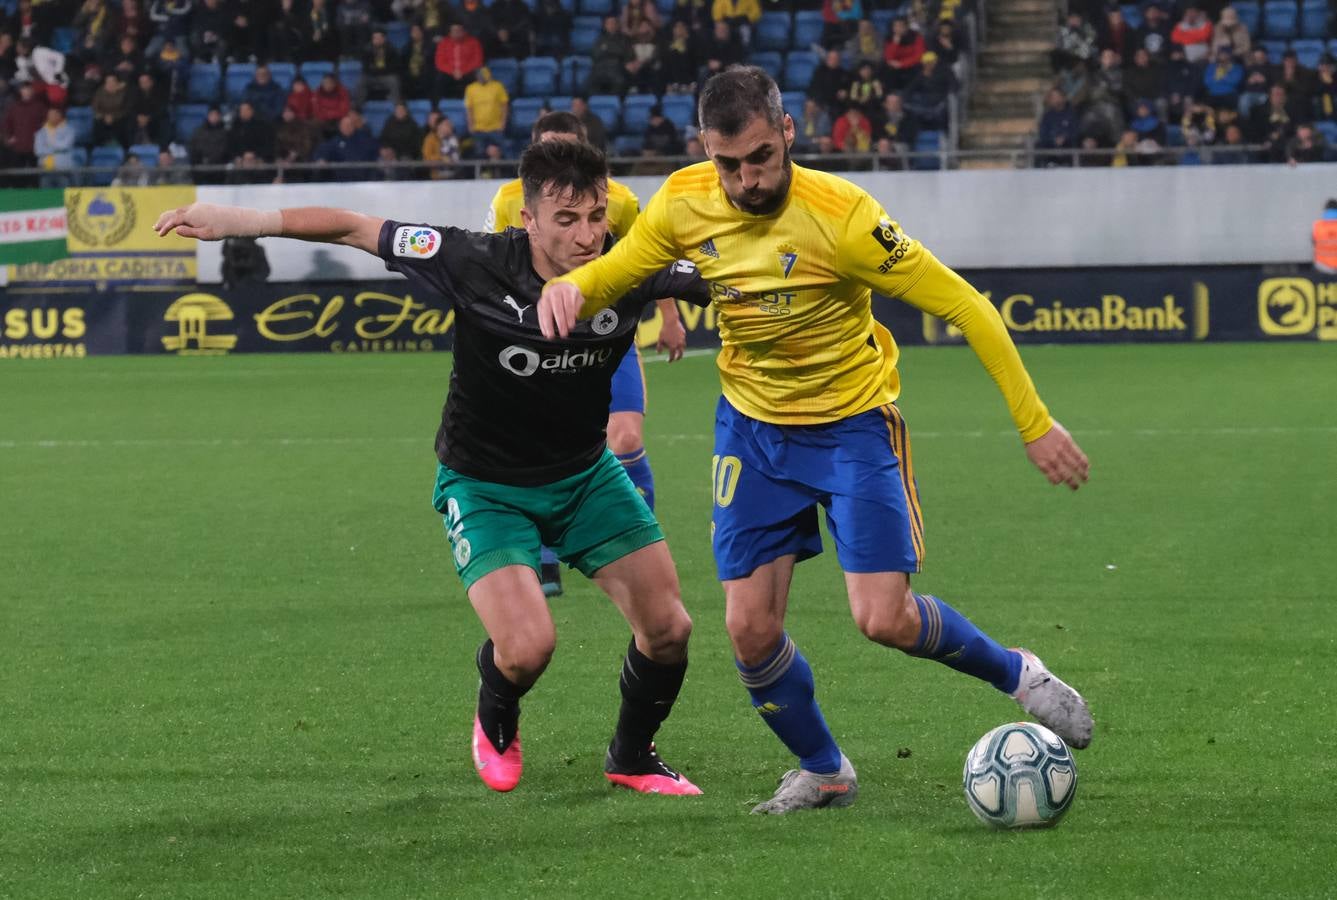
(559, 307)
(1057, 455)
(672, 336)
(214, 222)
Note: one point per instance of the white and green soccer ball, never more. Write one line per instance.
(1020, 775)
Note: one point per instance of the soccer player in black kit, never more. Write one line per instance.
(521, 450)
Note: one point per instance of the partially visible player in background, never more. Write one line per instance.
(808, 415)
(1324, 237)
(521, 451)
(626, 414)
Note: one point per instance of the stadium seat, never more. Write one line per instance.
(106, 155)
(793, 102)
(680, 109)
(524, 110)
(206, 79)
(316, 69)
(62, 39)
(569, 6)
(799, 66)
(188, 117)
(350, 73)
(1329, 131)
(666, 8)
(1314, 19)
(1332, 47)
(772, 32)
(1174, 136)
(882, 19)
(608, 108)
(376, 112)
(599, 8)
(79, 157)
(768, 60)
(81, 123)
(807, 29)
(507, 71)
(284, 73)
(1132, 14)
(575, 73)
(453, 110)
(927, 142)
(1279, 18)
(1274, 49)
(1250, 13)
(584, 32)
(636, 114)
(628, 145)
(397, 34)
(238, 76)
(420, 109)
(538, 76)
(1307, 53)
(147, 153)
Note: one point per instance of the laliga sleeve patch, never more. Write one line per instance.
(416, 242)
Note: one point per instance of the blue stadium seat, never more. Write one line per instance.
(1274, 49)
(1174, 136)
(507, 71)
(597, 8)
(1307, 53)
(793, 102)
(147, 153)
(882, 19)
(1329, 131)
(636, 113)
(284, 73)
(1314, 19)
(666, 8)
(927, 142)
(772, 32)
(316, 69)
(768, 60)
(680, 109)
(106, 155)
(206, 79)
(420, 109)
(569, 6)
(188, 117)
(453, 110)
(62, 39)
(350, 73)
(1279, 18)
(799, 66)
(397, 34)
(376, 112)
(81, 123)
(1132, 14)
(234, 82)
(524, 110)
(538, 76)
(584, 32)
(79, 157)
(608, 108)
(1250, 13)
(628, 145)
(575, 73)
(807, 28)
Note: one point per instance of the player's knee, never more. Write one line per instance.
(523, 659)
(624, 438)
(754, 637)
(667, 638)
(890, 624)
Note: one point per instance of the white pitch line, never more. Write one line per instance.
(97, 443)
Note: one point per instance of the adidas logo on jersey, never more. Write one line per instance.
(708, 248)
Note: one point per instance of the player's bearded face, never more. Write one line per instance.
(566, 230)
(754, 165)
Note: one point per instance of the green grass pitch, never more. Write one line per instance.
(236, 661)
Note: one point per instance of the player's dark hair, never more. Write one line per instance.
(560, 122)
(561, 167)
(1331, 204)
(734, 97)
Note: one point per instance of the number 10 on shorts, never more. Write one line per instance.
(724, 472)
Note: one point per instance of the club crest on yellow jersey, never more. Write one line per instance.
(788, 254)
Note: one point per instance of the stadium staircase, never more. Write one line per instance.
(1013, 71)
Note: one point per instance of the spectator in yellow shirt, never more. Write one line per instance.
(741, 16)
(486, 104)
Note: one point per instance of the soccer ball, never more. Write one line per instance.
(1020, 775)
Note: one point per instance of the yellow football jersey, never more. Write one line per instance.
(792, 292)
(623, 207)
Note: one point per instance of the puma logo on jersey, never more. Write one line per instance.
(519, 310)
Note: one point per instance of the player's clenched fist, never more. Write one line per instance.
(1057, 455)
(211, 222)
(559, 307)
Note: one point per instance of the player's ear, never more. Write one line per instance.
(788, 130)
(526, 219)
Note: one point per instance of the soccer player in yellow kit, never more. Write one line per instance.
(626, 412)
(808, 414)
